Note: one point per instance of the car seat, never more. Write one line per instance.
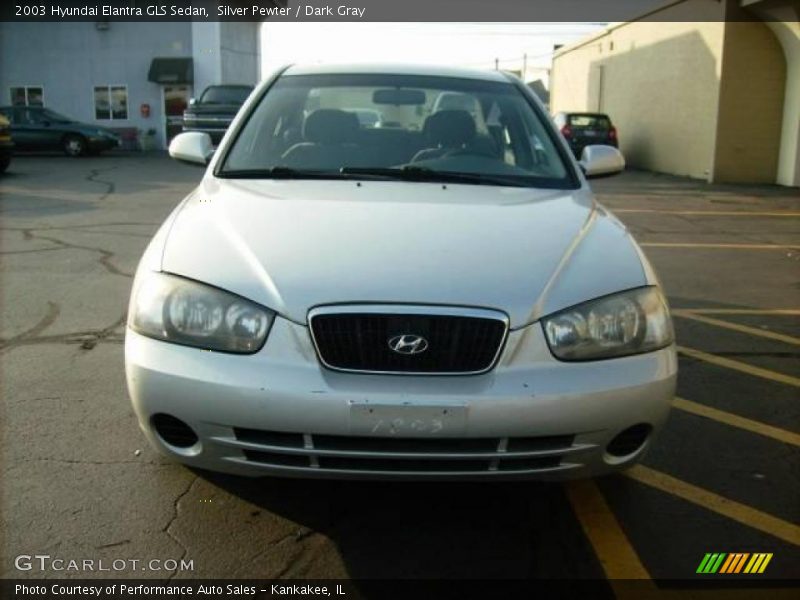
(329, 140)
(446, 131)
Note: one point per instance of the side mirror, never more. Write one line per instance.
(599, 161)
(192, 146)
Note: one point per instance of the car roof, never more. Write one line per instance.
(396, 69)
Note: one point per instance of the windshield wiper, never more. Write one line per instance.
(280, 173)
(418, 173)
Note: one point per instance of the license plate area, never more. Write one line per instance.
(407, 419)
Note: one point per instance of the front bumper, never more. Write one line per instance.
(278, 412)
(6, 150)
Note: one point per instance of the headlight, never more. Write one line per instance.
(185, 312)
(631, 322)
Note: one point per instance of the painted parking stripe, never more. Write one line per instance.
(611, 546)
(790, 312)
(701, 410)
(771, 335)
(720, 246)
(709, 213)
(737, 365)
(746, 515)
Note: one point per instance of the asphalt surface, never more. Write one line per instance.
(79, 481)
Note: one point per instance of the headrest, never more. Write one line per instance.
(330, 126)
(450, 128)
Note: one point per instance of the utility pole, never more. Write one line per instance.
(496, 64)
(524, 67)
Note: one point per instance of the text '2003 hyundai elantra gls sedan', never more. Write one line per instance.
(433, 293)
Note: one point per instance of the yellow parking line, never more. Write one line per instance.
(611, 545)
(739, 366)
(742, 513)
(722, 246)
(744, 311)
(701, 410)
(780, 337)
(710, 213)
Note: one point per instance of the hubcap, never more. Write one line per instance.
(74, 146)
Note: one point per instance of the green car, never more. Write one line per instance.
(39, 128)
(6, 145)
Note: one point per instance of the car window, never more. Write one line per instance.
(53, 117)
(32, 116)
(600, 122)
(325, 123)
(225, 95)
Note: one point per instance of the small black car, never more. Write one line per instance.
(213, 112)
(582, 129)
(39, 128)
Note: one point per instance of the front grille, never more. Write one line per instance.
(334, 453)
(456, 343)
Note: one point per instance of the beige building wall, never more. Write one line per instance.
(659, 81)
(750, 113)
(704, 99)
(784, 21)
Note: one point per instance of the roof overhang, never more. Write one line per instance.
(171, 70)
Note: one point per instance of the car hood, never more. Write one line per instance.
(212, 109)
(295, 244)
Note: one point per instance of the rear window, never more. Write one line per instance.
(601, 122)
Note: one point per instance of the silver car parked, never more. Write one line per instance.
(437, 297)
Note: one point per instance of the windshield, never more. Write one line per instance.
(589, 122)
(396, 125)
(225, 95)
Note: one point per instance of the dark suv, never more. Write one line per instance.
(582, 129)
(213, 112)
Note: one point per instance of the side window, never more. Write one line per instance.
(31, 117)
(28, 117)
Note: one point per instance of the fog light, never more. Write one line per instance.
(174, 431)
(630, 440)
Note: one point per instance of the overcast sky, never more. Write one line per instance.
(475, 45)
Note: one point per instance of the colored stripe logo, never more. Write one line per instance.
(734, 562)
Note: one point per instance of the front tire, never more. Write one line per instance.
(74, 145)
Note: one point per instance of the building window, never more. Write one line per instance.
(27, 95)
(111, 102)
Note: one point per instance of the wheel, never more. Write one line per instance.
(74, 145)
(4, 162)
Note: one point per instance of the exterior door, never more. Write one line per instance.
(176, 99)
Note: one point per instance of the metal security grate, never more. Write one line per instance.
(453, 343)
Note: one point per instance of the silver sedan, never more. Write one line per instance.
(435, 294)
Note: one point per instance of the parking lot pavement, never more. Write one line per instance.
(79, 481)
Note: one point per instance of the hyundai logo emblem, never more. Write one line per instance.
(408, 344)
